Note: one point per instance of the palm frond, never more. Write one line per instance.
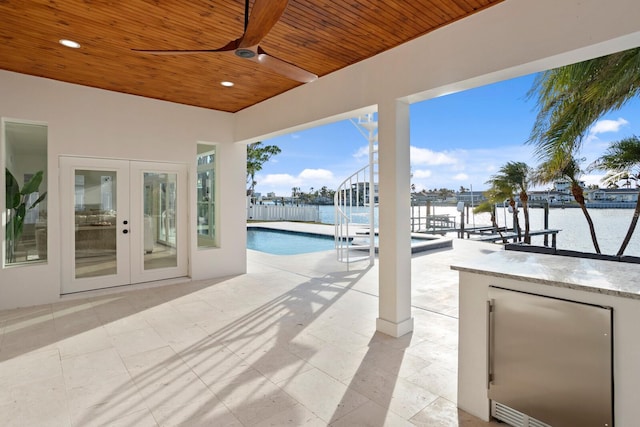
(571, 98)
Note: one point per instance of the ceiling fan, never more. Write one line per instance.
(264, 15)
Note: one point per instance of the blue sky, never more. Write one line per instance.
(456, 140)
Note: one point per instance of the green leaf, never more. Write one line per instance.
(40, 199)
(21, 212)
(33, 184)
(17, 203)
(12, 190)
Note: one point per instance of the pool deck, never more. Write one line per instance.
(291, 342)
(434, 284)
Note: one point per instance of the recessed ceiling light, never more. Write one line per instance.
(227, 84)
(69, 43)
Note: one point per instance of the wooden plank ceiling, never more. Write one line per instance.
(320, 36)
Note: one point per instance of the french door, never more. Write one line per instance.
(123, 222)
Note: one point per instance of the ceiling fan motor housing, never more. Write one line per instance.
(245, 53)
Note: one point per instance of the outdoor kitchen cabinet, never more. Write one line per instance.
(580, 282)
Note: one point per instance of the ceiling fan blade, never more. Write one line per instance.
(231, 46)
(283, 68)
(173, 52)
(264, 15)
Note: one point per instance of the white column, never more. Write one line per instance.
(395, 236)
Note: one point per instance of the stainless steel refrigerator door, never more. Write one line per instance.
(551, 359)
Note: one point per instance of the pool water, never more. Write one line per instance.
(280, 242)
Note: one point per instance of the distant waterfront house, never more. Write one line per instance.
(560, 194)
(564, 186)
(551, 196)
(360, 193)
(427, 196)
(612, 195)
(471, 197)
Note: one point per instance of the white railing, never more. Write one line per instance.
(283, 213)
(354, 194)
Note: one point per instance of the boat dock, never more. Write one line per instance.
(510, 234)
(425, 221)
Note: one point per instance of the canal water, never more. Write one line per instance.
(611, 225)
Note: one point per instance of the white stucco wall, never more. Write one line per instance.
(96, 123)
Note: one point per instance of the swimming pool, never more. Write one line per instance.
(281, 242)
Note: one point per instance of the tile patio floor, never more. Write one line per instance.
(292, 342)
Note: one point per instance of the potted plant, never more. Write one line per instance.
(17, 203)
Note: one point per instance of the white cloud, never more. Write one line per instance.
(277, 179)
(424, 156)
(419, 156)
(363, 151)
(422, 173)
(316, 174)
(473, 167)
(603, 126)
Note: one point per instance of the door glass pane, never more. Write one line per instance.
(95, 223)
(160, 229)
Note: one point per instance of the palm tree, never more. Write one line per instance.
(622, 161)
(495, 194)
(571, 98)
(568, 168)
(295, 192)
(515, 177)
(504, 191)
(257, 156)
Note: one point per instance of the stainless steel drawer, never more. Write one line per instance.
(551, 359)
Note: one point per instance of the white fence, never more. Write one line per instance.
(283, 213)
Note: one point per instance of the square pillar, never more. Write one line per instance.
(394, 189)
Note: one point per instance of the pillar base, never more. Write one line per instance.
(396, 330)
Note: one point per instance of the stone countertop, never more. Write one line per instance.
(604, 277)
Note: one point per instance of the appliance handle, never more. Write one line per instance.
(490, 341)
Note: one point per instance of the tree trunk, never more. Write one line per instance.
(516, 222)
(578, 194)
(525, 208)
(592, 230)
(494, 222)
(632, 227)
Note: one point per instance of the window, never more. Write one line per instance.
(25, 163)
(206, 196)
